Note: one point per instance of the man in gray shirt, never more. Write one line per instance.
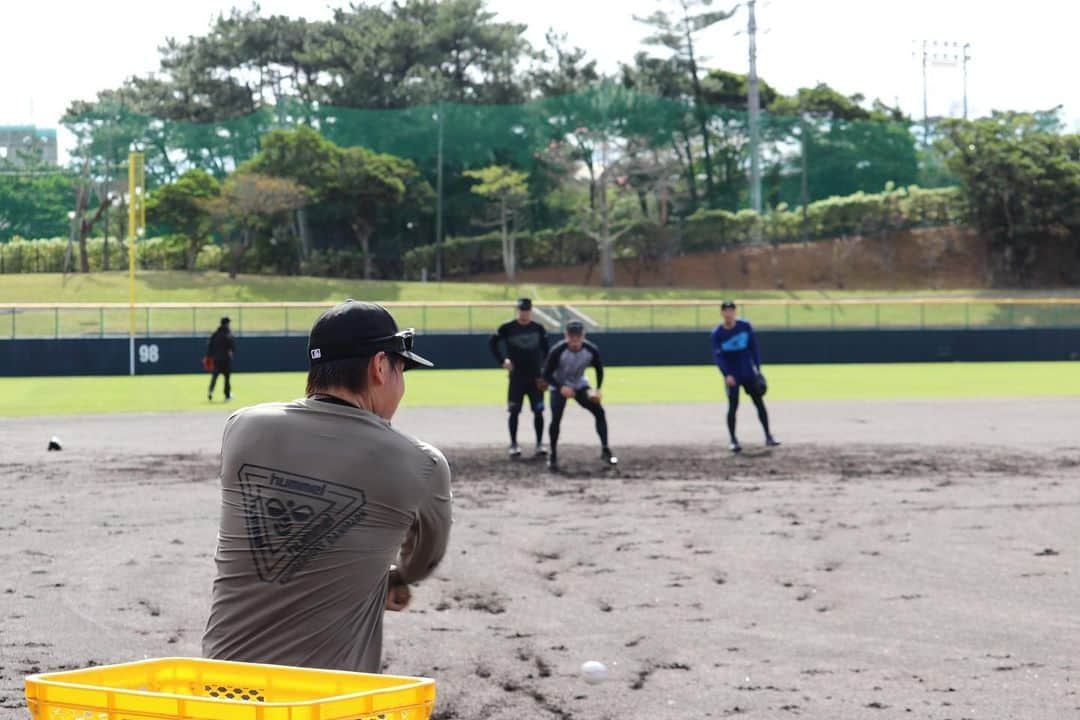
(327, 512)
(565, 372)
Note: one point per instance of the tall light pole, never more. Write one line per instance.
(966, 57)
(754, 102)
(439, 196)
(925, 102)
(109, 200)
(942, 54)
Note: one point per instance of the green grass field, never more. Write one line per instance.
(808, 309)
(182, 393)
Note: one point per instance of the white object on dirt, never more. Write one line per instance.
(593, 672)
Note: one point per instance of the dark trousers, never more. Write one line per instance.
(222, 366)
(558, 406)
(522, 386)
(733, 406)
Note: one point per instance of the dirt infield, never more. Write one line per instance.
(855, 572)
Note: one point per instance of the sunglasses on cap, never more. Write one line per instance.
(401, 342)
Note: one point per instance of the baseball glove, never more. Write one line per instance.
(542, 384)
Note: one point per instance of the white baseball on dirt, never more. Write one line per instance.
(594, 671)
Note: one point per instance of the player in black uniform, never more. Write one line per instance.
(526, 347)
(221, 348)
(565, 373)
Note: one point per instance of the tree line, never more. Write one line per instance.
(281, 137)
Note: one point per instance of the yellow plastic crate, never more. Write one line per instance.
(192, 689)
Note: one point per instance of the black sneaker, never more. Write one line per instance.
(553, 463)
(736, 448)
(608, 458)
(770, 441)
(515, 452)
(210, 397)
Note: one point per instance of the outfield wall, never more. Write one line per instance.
(179, 355)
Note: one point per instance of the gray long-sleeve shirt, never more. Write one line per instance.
(565, 367)
(317, 501)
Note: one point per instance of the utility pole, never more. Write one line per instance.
(925, 103)
(108, 190)
(804, 181)
(279, 100)
(754, 102)
(964, 60)
(439, 199)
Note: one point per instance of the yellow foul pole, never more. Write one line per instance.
(136, 223)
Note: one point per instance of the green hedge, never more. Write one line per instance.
(893, 209)
(467, 256)
(158, 253)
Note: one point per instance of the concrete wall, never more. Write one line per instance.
(169, 355)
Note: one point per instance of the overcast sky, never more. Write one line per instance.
(1025, 55)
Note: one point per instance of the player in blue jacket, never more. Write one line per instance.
(735, 350)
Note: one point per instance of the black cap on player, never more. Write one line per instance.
(727, 305)
(575, 327)
(360, 329)
(524, 304)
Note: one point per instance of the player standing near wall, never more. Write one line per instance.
(220, 350)
(526, 345)
(735, 351)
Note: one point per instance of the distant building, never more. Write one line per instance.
(19, 141)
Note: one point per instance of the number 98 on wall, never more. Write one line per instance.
(149, 354)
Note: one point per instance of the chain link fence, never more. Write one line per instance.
(18, 321)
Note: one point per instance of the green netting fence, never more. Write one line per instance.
(842, 156)
(805, 159)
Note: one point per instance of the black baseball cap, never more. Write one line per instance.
(575, 327)
(357, 329)
(224, 321)
(727, 305)
(524, 304)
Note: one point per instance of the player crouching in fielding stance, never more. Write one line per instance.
(736, 352)
(565, 373)
(327, 512)
(526, 347)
